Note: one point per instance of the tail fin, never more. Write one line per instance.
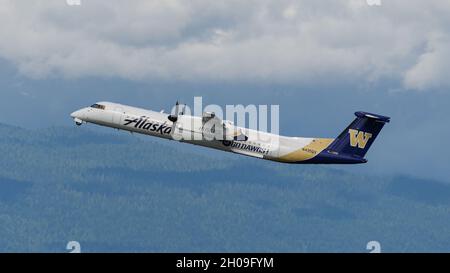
(357, 138)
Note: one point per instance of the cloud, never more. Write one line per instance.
(299, 42)
(431, 70)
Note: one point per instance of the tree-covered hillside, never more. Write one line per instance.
(117, 192)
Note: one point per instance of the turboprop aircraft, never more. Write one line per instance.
(208, 130)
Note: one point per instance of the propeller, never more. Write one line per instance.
(174, 117)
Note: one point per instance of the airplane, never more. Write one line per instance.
(349, 147)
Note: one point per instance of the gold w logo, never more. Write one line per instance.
(359, 138)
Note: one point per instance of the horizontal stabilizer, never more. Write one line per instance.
(372, 116)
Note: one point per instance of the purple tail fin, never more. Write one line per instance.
(357, 138)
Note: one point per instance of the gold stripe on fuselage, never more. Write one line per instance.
(307, 152)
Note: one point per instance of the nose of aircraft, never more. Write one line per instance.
(79, 114)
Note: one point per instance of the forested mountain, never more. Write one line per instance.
(117, 192)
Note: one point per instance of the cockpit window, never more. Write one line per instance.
(98, 106)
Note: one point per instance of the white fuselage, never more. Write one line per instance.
(190, 129)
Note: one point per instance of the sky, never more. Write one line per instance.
(319, 60)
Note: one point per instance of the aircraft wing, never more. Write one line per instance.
(214, 127)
